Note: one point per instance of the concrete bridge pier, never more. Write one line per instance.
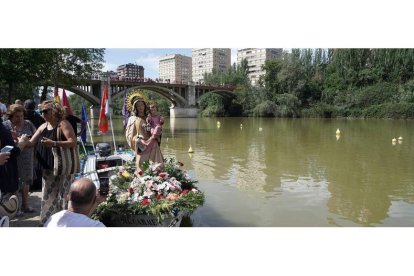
(183, 112)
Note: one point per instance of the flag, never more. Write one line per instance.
(65, 103)
(56, 95)
(84, 118)
(103, 121)
(125, 112)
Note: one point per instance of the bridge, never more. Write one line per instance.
(184, 98)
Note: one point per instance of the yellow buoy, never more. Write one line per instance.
(190, 150)
(191, 155)
(338, 132)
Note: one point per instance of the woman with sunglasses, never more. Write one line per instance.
(54, 188)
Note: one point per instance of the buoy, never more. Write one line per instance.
(338, 132)
(394, 140)
(190, 150)
(241, 125)
(260, 129)
(337, 137)
(399, 142)
(218, 122)
(400, 138)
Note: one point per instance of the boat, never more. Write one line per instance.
(99, 166)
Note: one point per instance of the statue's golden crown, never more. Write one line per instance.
(134, 96)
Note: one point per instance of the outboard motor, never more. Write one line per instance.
(103, 149)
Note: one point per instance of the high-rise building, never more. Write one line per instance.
(256, 57)
(175, 68)
(207, 59)
(130, 71)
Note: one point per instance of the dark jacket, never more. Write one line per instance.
(8, 172)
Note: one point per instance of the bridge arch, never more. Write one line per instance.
(224, 93)
(176, 99)
(78, 91)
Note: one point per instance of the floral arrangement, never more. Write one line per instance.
(157, 191)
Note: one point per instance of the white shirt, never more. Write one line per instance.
(67, 218)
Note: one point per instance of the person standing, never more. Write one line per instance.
(37, 121)
(31, 114)
(83, 199)
(74, 121)
(137, 135)
(18, 126)
(55, 187)
(9, 178)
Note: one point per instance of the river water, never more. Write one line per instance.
(294, 172)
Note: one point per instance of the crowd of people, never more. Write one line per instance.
(27, 139)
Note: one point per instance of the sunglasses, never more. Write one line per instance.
(44, 111)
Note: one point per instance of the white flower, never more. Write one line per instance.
(194, 190)
(161, 186)
(148, 193)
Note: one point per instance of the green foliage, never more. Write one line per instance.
(29, 68)
(265, 109)
(212, 105)
(390, 110)
(288, 105)
(320, 110)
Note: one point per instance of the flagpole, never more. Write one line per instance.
(90, 134)
(84, 149)
(110, 112)
(112, 128)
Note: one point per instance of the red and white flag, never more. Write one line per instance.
(103, 120)
(65, 102)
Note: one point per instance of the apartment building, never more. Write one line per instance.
(207, 59)
(256, 57)
(130, 71)
(175, 68)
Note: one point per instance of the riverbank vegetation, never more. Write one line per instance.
(361, 83)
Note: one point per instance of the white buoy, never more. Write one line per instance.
(338, 132)
(241, 125)
(400, 138)
(190, 150)
(394, 140)
(260, 129)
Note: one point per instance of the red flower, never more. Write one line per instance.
(162, 175)
(160, 196)
(130, 190)
(145, 201)
(184, 192)
(140, 173)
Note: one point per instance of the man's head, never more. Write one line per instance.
(82, 194)
(29, 104)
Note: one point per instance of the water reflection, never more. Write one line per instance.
(294, 172)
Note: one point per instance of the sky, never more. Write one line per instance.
(146, 57)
